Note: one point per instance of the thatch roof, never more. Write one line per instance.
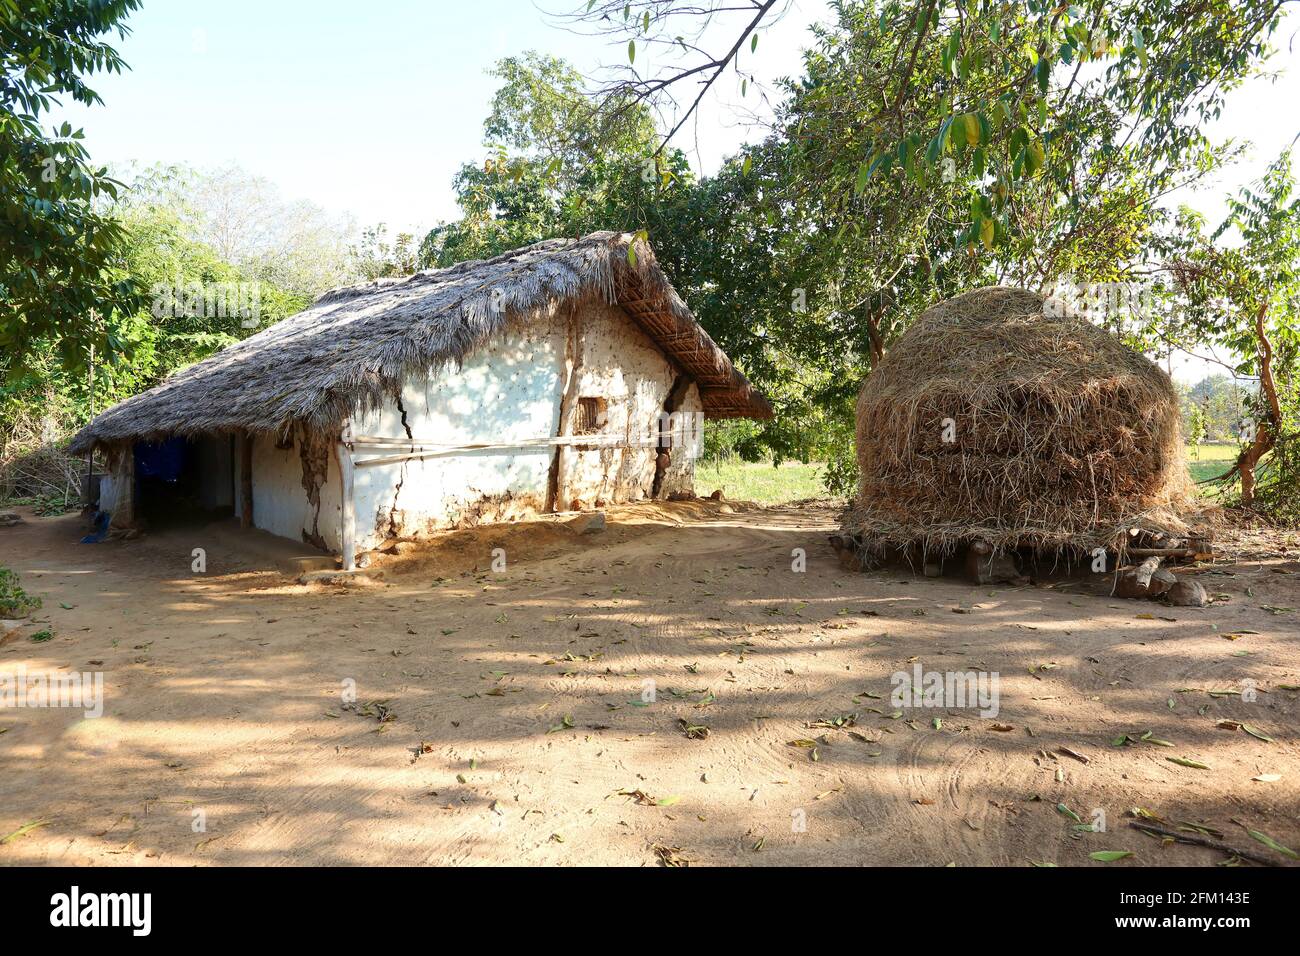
(1060, 436)
(355, 346)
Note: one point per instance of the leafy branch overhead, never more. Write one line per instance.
(1000, 94)
(59, 254)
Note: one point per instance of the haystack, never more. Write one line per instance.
(1000, 416)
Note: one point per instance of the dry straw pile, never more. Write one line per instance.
(993, 418)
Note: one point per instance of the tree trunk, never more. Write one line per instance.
(877, 343)
(1266, 434)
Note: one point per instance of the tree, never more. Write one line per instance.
(555, 165)
(1196, 428)
(1245, 297)
(1015, 93)
(292, 244)
(60, 256)
(192, 302)
(375, 257)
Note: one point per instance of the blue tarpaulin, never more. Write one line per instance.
(161, 460)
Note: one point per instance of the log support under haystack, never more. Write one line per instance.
(1140, 569)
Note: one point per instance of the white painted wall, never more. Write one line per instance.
(508, 391)
(622, 365)
(280, 503)
(511, 390)
(680, 476)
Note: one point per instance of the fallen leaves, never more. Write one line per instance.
(669, 855)
(1065, 811)
(643, 799)
(692, 731)
(1247, 728)
(835, 723)
(1110, 856)
(23, 830)
(566, 723)
(1272, 844)
(1185, 762)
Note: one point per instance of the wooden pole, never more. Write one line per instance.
(246, 481)
(124, 507)
(90, 388)
(348, 518)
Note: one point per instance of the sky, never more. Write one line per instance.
(363, 108)
(368, 109)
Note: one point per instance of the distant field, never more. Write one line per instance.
(760, 481)
(1209, 461)
(794, 481)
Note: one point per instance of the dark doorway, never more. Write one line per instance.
(175, 479)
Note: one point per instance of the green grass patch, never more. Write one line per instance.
(1210, 461)
(762, 482)
(14, 601)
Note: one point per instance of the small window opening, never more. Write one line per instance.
(591, 415)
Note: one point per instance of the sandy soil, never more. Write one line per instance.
(518, 732)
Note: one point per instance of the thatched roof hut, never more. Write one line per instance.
(562, 376)
(996, 418)
(355, 346)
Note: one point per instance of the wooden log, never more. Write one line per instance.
(1144, 571)
(246, 481)
(347, 515)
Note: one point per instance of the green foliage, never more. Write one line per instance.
(192, 303)
(14, 601)
(376, 257)
(1217, 404)
(59, 253)
(1196, 428)
(1237, 289)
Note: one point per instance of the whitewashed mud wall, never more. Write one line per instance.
(680, 476)
(514, 389)
(621, 365)
(281, 504)
(508, 391)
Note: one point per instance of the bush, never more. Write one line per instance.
(14, 601)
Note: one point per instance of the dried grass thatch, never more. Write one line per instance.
(1060, 436)
(355, 346)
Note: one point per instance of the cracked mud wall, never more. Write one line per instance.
(281, 504)
(509, 391)
(621, 365)
(679, 478)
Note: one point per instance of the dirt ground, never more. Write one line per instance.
(520, 729)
